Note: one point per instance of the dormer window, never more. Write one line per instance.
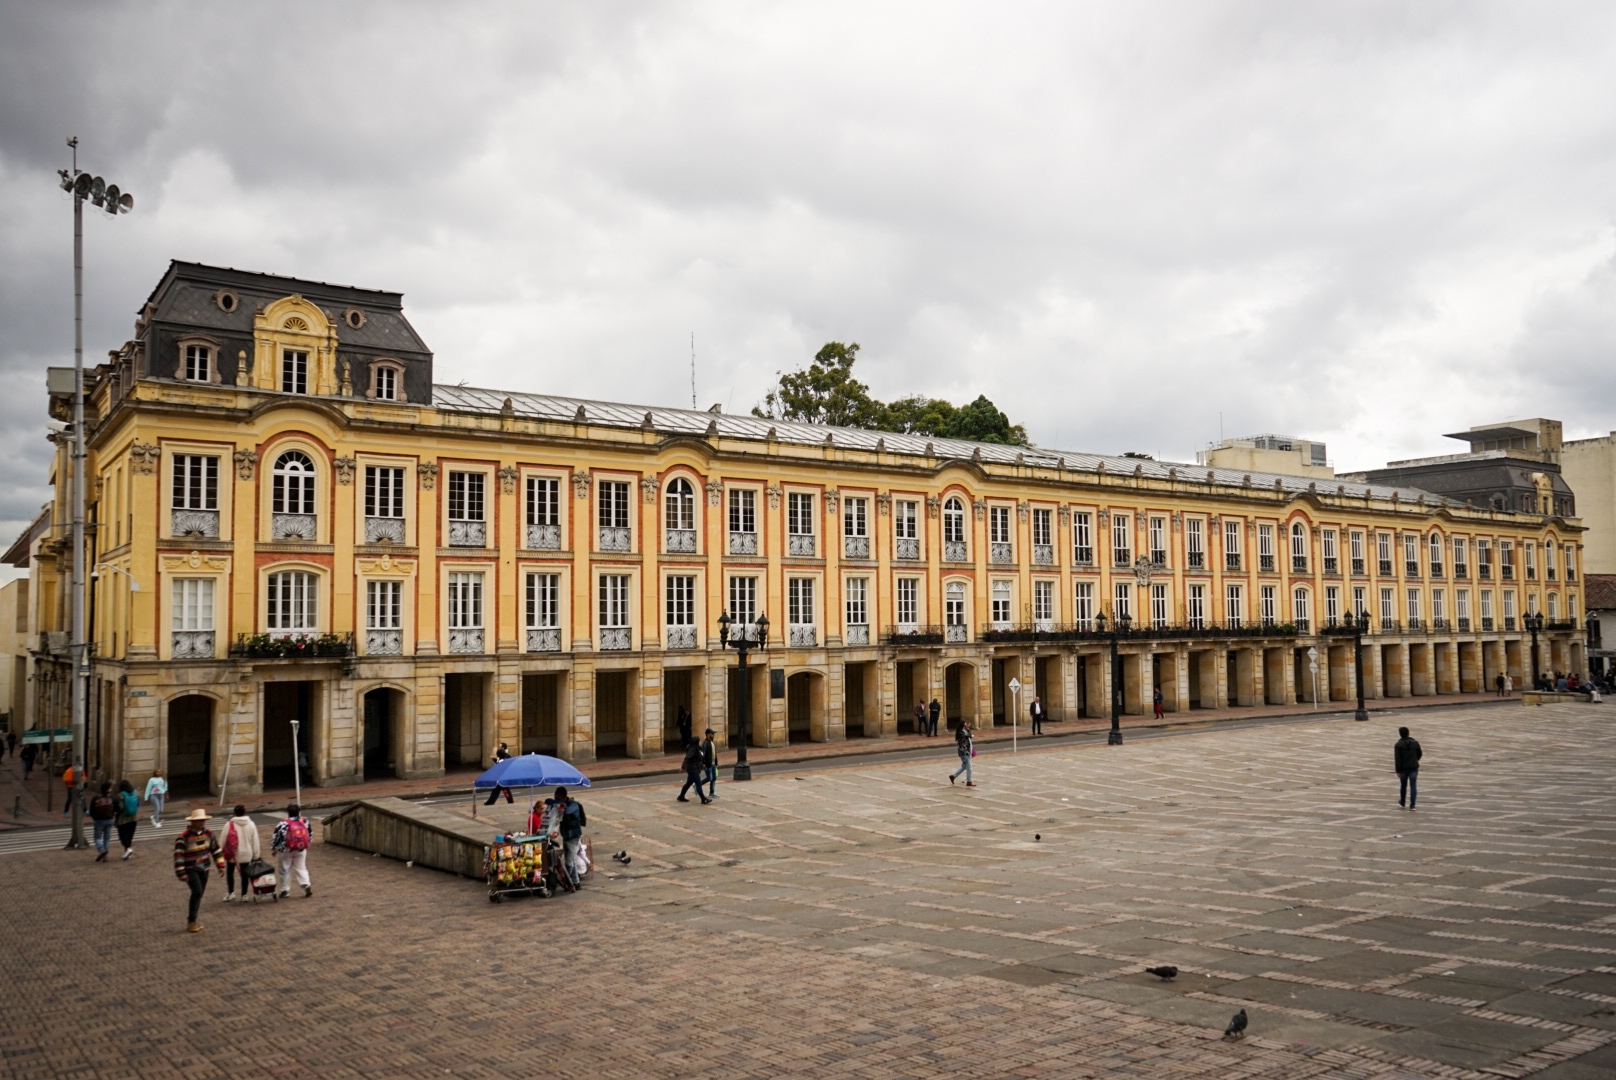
(386, 381)
(197, 361)
(294, 372)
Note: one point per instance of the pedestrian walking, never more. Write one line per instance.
(709, 755)
(241, 846)
(966, 749)
(103, 812)
(1036, 711)
(572, 820)
(1156, 700)
(289, 843)
(1498, 683)
(920, 716)
(685, 723)
(128, 807)
(1406, 754)
(695, 764)
(30, 753)
(1509, 685)
(934, 710)
(500, 755)
(157, 795)
(71, 779)
(196, 851)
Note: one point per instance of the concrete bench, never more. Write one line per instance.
(1552, 697)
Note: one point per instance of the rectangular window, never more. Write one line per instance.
(1413, 608)
(614, 601)
(999, 524)
(1265, 548)
(196, 482)
(1197, 607)
(1234, 607)
(1434, 547)
(613, 507)
(1122, 601)
(1231, 545)
(799, 514)
(800, 601)
(954, 627)
(1570, 564)
(1355, 541)
(1529, 558)
(1298, 548)
(1121, 540)
(384, 491)
(1531, 603)
(466, 496)
(742, 601)
(1330, 551)
(1268, 605)
(543, 500)
(542, 602)
(384, 605)
(198, 363)
(1082, 538)
(1388, 608)
(855, 517)
(1043, 602)
(1195, 542)
(1158, 606)
(465, 601)
(858, 601)
(1554, 606)
(1360, 605)
(1411, 554)
(1439, 608)
(1332, 604)
(1461, 608)
(1484, 559)
(193, 604)
(906, 519)
(1506, 559)
(908, 601)
(1000, 605)
(1548, 561)
(1042, 528)
(1083, 605)
(1509, 609)
(294, 372)
(743, 511)
(681, 601)
(1461, 558)
(292, 603)
(386, 384)
(1383, 553)
(1158, 541)
(1486, 609)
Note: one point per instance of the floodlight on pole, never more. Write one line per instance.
(115, 201)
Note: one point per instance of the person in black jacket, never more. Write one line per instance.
(695, 764)
(1406, 759)
(934, 710)
(573, 820)
(1036, 709)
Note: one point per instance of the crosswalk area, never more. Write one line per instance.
(54, 837)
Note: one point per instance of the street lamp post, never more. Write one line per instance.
(1119, 625)
(81, 186)
(1360, 626)
(747, 637)
(297, 765)
(1534, 623)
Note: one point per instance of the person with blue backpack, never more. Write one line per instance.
(128, 816)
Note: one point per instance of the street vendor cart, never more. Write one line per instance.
(529, 862)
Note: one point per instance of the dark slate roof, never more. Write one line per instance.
(694, 422)
(1599, 592)
(185, 296)
(1466, 475)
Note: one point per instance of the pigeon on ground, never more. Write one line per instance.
(1166, 973)
(623, 857)
(1237, 1026)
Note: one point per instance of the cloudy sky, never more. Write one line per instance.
(1129, 224)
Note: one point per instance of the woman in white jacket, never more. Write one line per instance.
(241, 847)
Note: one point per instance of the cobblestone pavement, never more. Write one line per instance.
(878, 922)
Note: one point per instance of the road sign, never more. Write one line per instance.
(1312, 654)
(1015, 686)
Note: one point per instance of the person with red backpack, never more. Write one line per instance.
(289, 843)
(103, 811)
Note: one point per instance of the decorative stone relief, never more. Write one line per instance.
(345, 469)
(246, 463)
(715, 492)
(648, 487)
(883, 504)
(195, 560)
(933, 504)
(243, 371)
(1021, 513)
(386, 565)
(1178, 521)
(507, 479)
(774, 496)
(580, 482)
(428, 471)
(1103, 517)
(1064, 514)
(143, 457)
(981, 508)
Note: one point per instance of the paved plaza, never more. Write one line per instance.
(874, 921)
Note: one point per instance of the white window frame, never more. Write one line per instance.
(384, 604)
(294, 371)
(192, 604)
(908, 601)
(1121, 539)
(1158, 606)
(291, 602)
(1197, 606)
(541, 601)
(465, 592)
(1000, 599)
(1234, 605)
(1082, 538)
(856, 605)
(1083, 604)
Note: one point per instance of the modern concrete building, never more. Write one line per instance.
(413, 570)
(1589, 468)
(1278, 454)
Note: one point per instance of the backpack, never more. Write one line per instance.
(131, 802)
(101, 808)
(297, 834)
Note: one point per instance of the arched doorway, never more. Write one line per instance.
(190, 744)
(384, 720)
(959, 681)
(805, 707)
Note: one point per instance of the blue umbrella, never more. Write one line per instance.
(530, 771)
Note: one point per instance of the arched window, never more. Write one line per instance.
(954, 521)
(1298, 547)
(680, 511)
(292, 489)
(1434, 547)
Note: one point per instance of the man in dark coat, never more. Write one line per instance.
(935, 710)
(695, 764)
(920, 716)
(1036, 710)
(1406, 758)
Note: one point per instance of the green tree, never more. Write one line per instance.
(981, 421)
(919, 415)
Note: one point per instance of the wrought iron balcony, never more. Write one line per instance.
(1506, 572)
(1298, 564)
(1083, 556)
(956, 634)
(1436, 569)
(1411, 569)
(1001, 552)
(956, 551)
(855, 547)
(913, 634)
(1486, 624)
(804, 637)
(1384, 567)
(292, 527)
(1122, 558)
(200, 523)
(1414, 624)
(1388, 626)
(544, 639)
(472, 534)
(679, 637)
(1484, 572)
(1439, 624)
(1231, 561)
(1085, 631)
(1560, 624)
(1332, 565)
(679, 541)
(384, 530)
(1302, 626)
(1265, 564)
(1509, 622)
(1531, 573)
(1358, 567)
(613, 538)
(743, 543)
(906, 547)
(801, 544)
(616, 638)
(1464, 624)
(384, 642)
(857, 634)
(1196, 560)
(1043, 555)
(193, 644)
(1550, 574)
(293, 645)
(1461, 571)
(466, 641)
(544, 537)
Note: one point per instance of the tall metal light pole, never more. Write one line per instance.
(109, 198)
(1534, 623)
(1120, 623)
(755, 637)
(1360, 626)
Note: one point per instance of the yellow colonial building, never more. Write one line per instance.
(293, 522)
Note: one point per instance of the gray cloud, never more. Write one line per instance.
(1367, 223)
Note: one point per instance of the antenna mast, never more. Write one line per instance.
(692, 369)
